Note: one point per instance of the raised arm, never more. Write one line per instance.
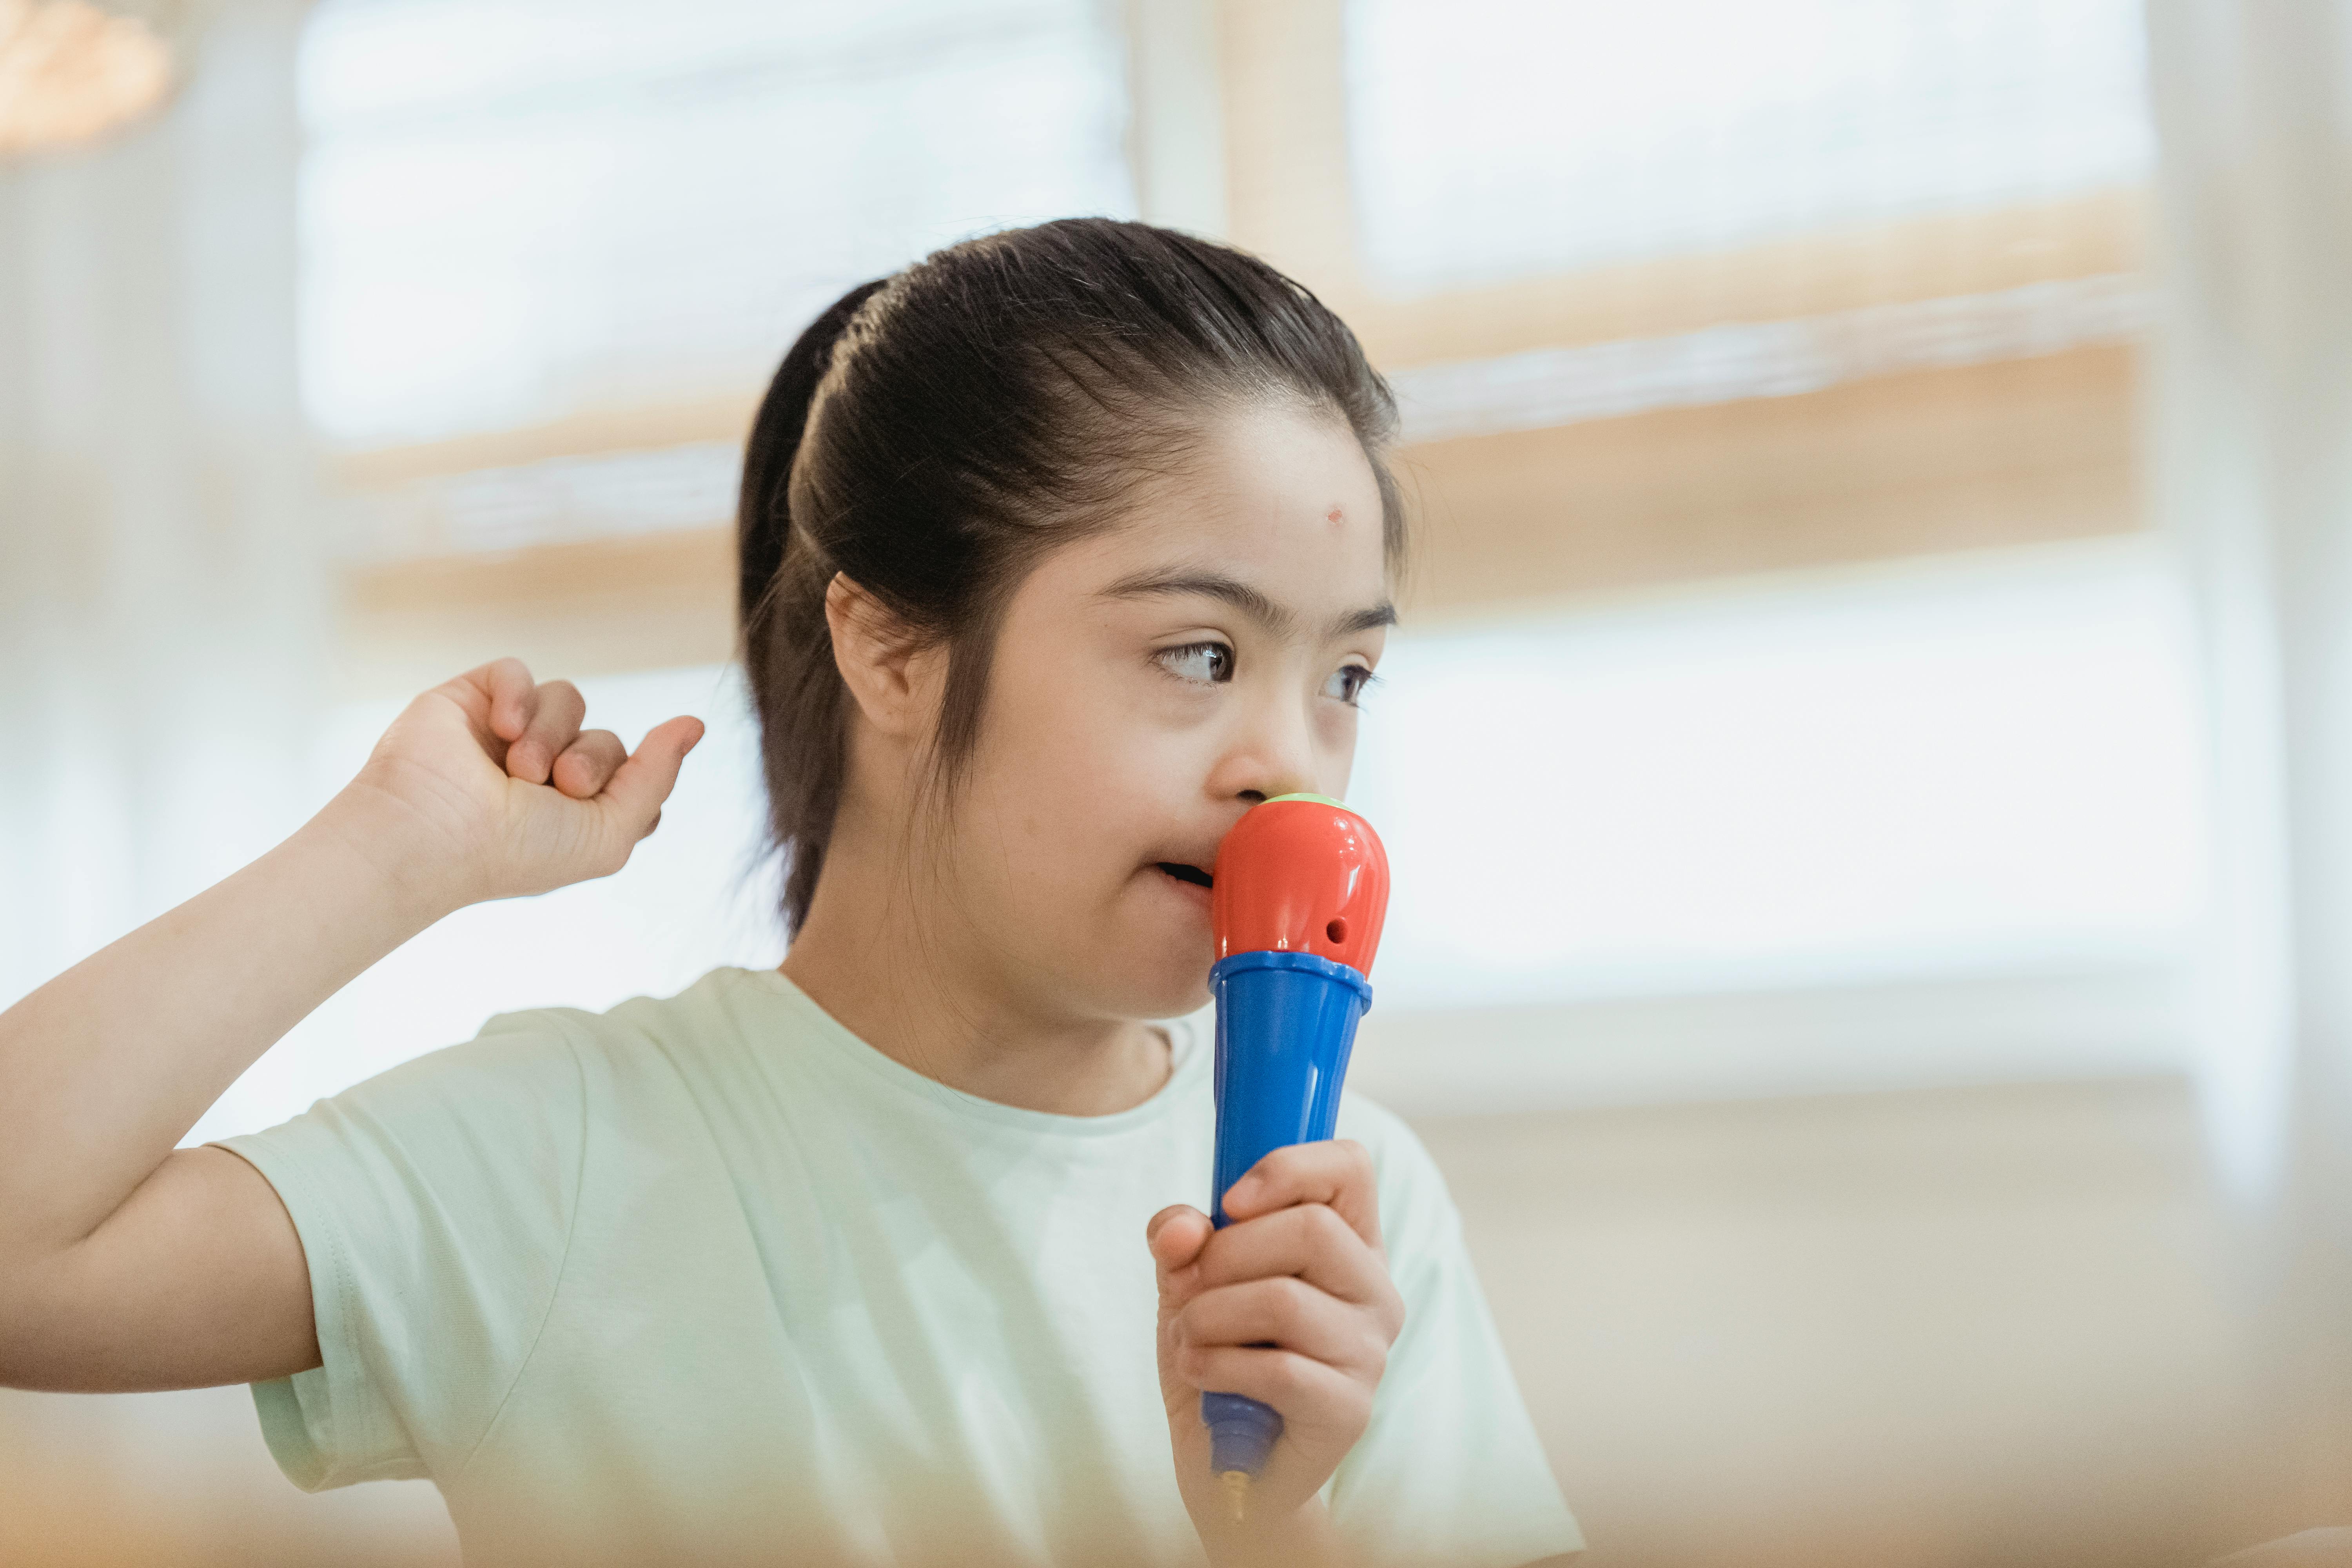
(127, 1264)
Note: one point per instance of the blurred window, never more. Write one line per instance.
(514, 210)
(1938, 770)
(1494, 139)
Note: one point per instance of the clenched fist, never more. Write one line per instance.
(486, 787)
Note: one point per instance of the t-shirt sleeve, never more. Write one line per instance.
(435, 1203)
(1450, 1469)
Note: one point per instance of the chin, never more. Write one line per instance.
(1142, 956)
(1160, 979)
(1134, 986)
(1188, 993)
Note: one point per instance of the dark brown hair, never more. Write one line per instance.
(934, 433)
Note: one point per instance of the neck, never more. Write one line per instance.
(892, 963)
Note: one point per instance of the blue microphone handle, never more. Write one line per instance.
(1286, 1025)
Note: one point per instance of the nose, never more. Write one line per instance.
(1272, 752)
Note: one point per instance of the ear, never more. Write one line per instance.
(880, 659)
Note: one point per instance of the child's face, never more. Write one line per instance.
(1151, 683)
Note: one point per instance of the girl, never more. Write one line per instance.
(1058, 552)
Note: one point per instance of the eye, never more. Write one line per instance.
(1348, 682)
(1210, 663)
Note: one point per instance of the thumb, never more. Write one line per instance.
(638, 786)
(1176, 1235)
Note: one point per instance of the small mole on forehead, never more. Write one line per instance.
(1331, 516)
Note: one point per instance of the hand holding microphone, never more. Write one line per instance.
(1275, 1330)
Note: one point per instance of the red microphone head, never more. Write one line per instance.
(1301, 873)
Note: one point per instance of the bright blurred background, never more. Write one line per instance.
(1868, 761)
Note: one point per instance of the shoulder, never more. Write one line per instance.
(1397, 1151)
(544, 1049)
(536, 1076)
(521, 1071)
(1379, 1129)
(484, 1147)
(1417, 1212)
(505, 1111)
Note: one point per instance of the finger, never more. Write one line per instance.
(1177, 1235)
(1337, 1171)
(1305, 1389)
(1291, 1315)
(513, 696)
(638, 786)
(492, 696)
(1310, 1241)
(588, 763)
(554, 725)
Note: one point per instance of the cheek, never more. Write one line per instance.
(1064, 772)
(1335, 727)
(1335, 741)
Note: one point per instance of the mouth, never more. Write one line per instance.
(1184, 873)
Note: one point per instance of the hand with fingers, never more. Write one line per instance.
(486, 787)
(1292, 1305)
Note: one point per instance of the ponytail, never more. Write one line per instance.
(779, 586)
(763, 518)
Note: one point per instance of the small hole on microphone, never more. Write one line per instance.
(1336, 930)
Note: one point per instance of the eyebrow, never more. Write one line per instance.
(1274, 617)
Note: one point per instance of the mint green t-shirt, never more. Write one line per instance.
(710, 1281)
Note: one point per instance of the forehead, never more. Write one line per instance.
(1280, 497)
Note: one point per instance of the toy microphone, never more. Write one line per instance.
(1297, 896)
